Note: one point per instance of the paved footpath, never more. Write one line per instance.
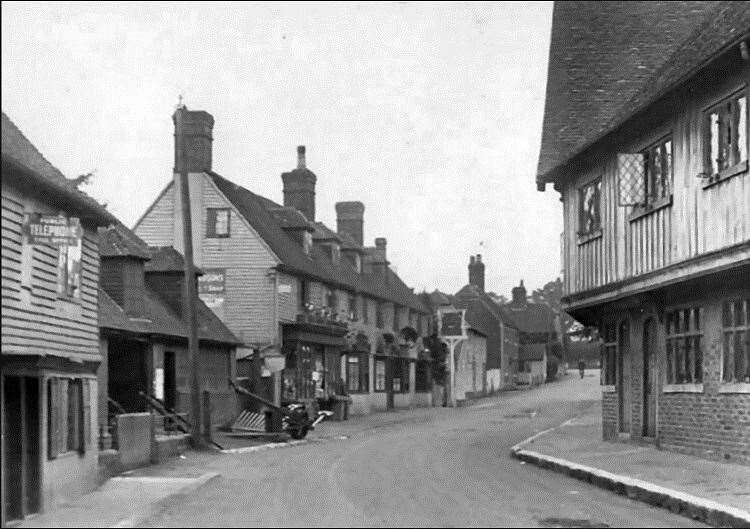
(710, 490)
(425, 467)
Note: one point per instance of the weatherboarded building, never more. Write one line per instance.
(646, 138)
(50, 346)
(318, 313)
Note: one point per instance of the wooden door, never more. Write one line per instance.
(649, 378)
(623, 377)
(170, 380)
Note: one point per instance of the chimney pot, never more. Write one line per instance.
(301, 164)
(471, 260)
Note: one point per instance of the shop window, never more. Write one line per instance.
(609, 356)
(726, 136)
(683, 344)
(379, 374)
(358, 372)
(400, 375)
(589, 218)
(736, 351)
(218, 222)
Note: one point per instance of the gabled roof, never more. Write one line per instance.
(609, 60)
(472, 292)
(259, 213)
(438, 298)
(40, 175)
(531, 317)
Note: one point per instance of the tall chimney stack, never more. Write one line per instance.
(380, 259)
(519, 294)
(197, 132)
(299, 187)
(476, 272)
(350, 220)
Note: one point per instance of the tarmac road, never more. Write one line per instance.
(424, 467)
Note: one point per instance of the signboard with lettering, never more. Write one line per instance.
(52, 230)
(212, 289)
(452, 324)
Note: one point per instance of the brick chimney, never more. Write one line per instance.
(380, 259)
(350, 220)
(519, 294)
(476, 272)
(299, 187)
(197, 135)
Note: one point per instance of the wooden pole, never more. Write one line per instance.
(189, 288)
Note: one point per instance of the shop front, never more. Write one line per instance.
(312, 372)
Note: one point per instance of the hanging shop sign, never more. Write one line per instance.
(212, 287)
(452, 323)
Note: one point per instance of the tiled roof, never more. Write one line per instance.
(472, 292)
(324, 233)
(531, 317)
(438, 298)
(19, 152)
(119, 241)
(258, 210)
(166, 259)
(609, 60)
(159, 319)
(289, 217)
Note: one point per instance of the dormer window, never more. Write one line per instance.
(217, 223)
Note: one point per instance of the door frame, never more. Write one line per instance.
(649, 384)
(624, 391)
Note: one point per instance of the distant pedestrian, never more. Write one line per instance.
(581, 367)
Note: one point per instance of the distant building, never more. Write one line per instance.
(501, 331)
(50, 346)
(537, 331)
(319, 314)
(646, 138)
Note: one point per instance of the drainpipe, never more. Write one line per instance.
(276, 340)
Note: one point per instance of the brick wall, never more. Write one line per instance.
(700, 420)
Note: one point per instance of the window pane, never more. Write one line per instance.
(740, 357)
(698, 361)
(714, 124)
(739, 313)
(670, 363)
(679, 360)
(727, 314)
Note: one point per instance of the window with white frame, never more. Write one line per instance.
(727, 135)
(736, 350)
(218, 222)
(684, 349)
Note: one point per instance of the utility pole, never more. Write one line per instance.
(189, 287)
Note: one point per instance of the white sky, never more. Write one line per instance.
(429, 113)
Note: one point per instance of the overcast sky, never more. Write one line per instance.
(430, 114)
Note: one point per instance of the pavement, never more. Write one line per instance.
(712, 491)
(439, 467)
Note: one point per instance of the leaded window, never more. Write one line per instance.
(736, 351)
(684, 347)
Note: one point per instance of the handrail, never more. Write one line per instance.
(163, 410)
(116, 405)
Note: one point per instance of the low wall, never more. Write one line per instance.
(134, 433)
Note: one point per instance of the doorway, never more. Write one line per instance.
(170, 380)
(21, 475)
(623, 377)
(128, 374)
(649, 378)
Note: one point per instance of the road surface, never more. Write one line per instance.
(425, 467)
